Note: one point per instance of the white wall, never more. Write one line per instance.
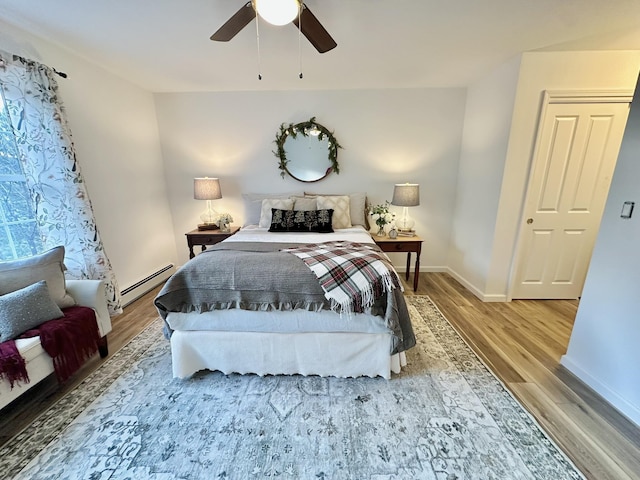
(115, 132)
(389, 136)
(540, 71)
(603, 350)
(487, 123)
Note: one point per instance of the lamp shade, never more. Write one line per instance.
(406, 195)
(206, 188)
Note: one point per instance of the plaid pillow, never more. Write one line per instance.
(318, 221)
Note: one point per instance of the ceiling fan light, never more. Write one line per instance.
(277, 12)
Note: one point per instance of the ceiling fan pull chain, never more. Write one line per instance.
(300, 39)
(258, 42)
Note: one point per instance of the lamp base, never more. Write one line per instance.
(207, 226)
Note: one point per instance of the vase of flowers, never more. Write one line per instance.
(224, 222)
(381, 215)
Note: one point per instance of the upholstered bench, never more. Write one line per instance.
(31, 291)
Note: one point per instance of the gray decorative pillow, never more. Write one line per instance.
(253, 205)
(49, 266)
(25, 309)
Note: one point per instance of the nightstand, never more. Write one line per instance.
(403, 244)
(207, 237)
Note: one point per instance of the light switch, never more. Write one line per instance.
(627, 209)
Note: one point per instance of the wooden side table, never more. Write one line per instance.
(403, 244)
(207, 237)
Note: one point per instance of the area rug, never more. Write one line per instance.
(445, 417)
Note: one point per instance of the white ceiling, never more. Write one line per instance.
(163, 45)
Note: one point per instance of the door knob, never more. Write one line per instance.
(529, 221)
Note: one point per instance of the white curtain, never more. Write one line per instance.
(63, 209)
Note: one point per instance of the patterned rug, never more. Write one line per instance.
(444, 417)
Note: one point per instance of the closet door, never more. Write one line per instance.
(573, 162)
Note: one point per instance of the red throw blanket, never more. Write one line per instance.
(69, 341)
(12, 366)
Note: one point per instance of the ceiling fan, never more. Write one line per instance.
(301, 18)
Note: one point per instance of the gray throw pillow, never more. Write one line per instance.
(49, 266)
(25, 309)
(253, 205)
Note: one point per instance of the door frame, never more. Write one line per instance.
(555, 97)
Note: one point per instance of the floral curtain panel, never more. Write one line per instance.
(63, 209)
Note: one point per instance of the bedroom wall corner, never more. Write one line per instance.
(488, 114)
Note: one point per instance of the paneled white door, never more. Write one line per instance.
(573, 163)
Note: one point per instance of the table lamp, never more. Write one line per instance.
(205, 188)
(406, 195)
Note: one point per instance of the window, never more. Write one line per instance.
(43, 199)
(19, 235)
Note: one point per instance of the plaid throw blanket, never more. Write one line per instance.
(352, 275)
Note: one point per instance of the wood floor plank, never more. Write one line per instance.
(612, 417)
(531, 336)
(528, 366)
(611, 441)
(587, 453)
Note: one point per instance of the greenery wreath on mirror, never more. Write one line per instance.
(311, 127)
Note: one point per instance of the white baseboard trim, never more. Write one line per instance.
(632, 412)
(476, 291)
(403, 269)
(148, 283)
(434, 269)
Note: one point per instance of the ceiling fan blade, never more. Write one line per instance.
(237, 22)
(314, 31)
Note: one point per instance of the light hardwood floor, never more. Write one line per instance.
(521, 341)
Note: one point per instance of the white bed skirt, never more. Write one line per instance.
(337, 354)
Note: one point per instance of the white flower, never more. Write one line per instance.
(376, 216)
(224, 219)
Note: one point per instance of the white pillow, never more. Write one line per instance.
(304, 203)
(253, 205)
(340, 205)
(49, 266)
(357, 207)
(268, 204)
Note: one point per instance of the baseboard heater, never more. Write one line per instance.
(138, 289)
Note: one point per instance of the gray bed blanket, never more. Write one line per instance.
(257, 276)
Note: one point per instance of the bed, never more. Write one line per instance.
(247, 305)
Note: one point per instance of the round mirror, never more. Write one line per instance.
(307, 151)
